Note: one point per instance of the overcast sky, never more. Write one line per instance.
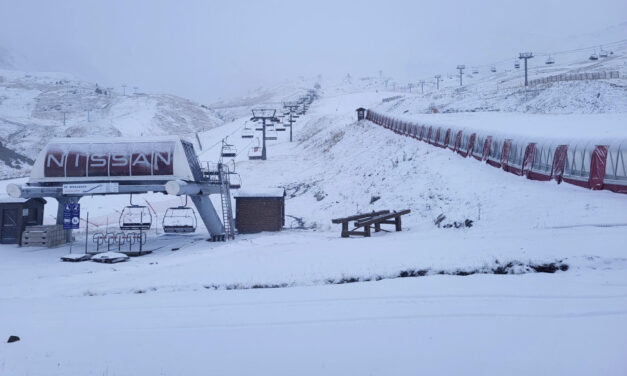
(211, 49)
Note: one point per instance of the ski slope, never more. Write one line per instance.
(203, 309)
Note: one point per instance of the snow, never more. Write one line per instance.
(305, 301)
(32, 107)
(260, 192)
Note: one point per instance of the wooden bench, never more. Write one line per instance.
(365, 221)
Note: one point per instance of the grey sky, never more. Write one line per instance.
(209, 49)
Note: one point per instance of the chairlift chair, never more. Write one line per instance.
(516, 64)
(271, 134)
(228, 150)
(179, 219)
(235, 181)
(594, 56)
(255, 152)
(475, 71)
(493, 69)
(603, 53)
(280, 128)
(248, 131)
(549, 61)
(135, 217)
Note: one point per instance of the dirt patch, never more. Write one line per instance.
(512, 267)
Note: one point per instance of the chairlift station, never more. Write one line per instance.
(70, 168)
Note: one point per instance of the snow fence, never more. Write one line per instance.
(592, 165)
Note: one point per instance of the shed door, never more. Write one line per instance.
(8, 232)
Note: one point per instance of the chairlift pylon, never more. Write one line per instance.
(179, 219)
(135, 217)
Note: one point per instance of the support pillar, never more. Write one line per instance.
(208, 214)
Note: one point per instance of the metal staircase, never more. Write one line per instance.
(225, 196)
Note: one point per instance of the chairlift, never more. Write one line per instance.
(228, 150)
(271, 134)
(248, 131)
(255, 152)
(549, 61)
(475, 71)
(235, 181)
(135, 217)
(594, 56)
(493, 69)
(280, 128)
(179, 219)
(516, 64)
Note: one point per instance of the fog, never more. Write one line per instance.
(207, 50)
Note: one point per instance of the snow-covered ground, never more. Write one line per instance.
(340, 306)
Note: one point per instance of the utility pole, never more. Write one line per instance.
(461, 73)
(526, 56)
(422, 87)
(437, 78)
(264, 114)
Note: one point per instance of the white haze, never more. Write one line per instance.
(207, 50)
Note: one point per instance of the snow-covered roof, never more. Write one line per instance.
(11, 200)
(261, 192)
(95, 140)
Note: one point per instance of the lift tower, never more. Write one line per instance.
(461, 73)
(264, 114)
(291, 107)
(526, 56)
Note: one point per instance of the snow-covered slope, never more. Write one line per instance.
(33, 107)
(272, 97)
(189, 290)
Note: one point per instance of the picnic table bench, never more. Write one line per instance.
(366, 220)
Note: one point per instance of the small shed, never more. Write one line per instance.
(16, 214)
(361, 113)
(259, 210)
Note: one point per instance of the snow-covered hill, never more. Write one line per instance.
(37, 106)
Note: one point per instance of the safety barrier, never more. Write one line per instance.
(575, 77)
(593, 165)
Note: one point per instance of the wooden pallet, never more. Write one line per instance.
(43, 236)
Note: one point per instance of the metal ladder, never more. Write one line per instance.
(225, 196)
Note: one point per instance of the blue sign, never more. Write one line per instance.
(71, 216)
